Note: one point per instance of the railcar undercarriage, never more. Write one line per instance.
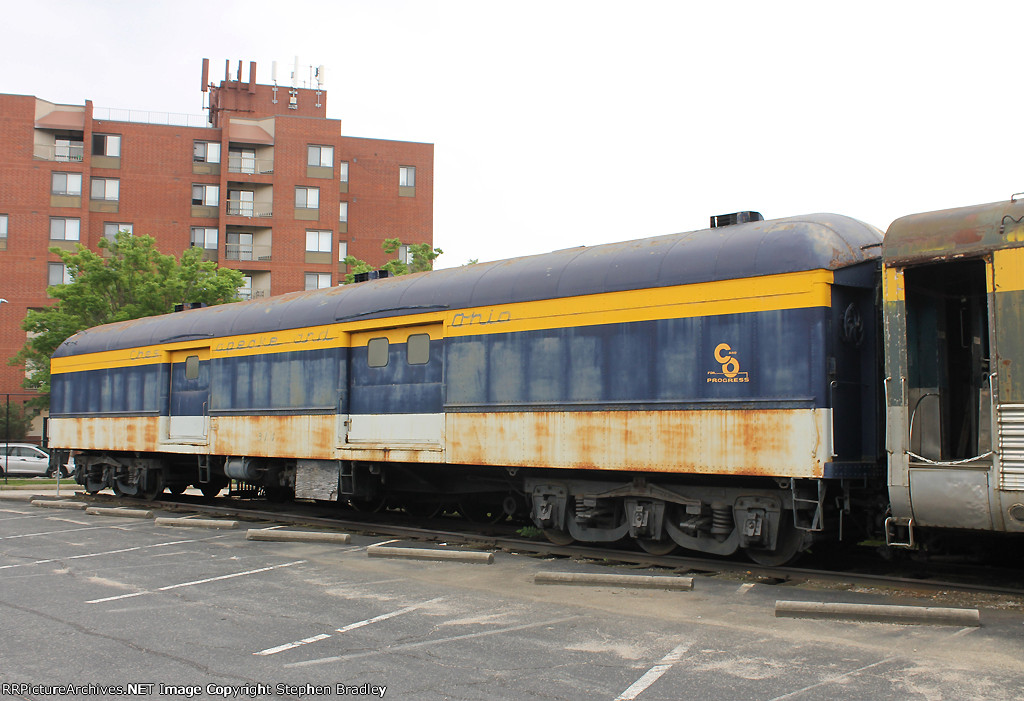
(771, 520)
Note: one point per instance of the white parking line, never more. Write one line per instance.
(193, 583)
(66, 530)
(654, 673)
(434, 641)
(345, 629)
(836, 679)
(107, 552)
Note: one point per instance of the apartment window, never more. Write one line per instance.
(238, 246)
(343, 171)
(66, 184)
(407, 176)
(342, 251)
(307, 198)
(68, 148)
(105, 189)
(58, 274)
(322, 156)
(241, 203)
(106, 145)
(3, 226)
(65, 229)
(343, 211)
(206, 195)
(405, 254)
(317, 281)
(245, 291)
(111, 228)
(206, 152)
(318, 241)
(242, 160)
(204, 237)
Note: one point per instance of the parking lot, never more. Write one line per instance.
(97, 601)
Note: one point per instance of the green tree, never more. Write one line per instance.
(423, 257)
(131, 281)
(15, 420)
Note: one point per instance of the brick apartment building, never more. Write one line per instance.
(265, 183)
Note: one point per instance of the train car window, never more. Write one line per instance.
(377, 352)
(418, 349)
(192, 367)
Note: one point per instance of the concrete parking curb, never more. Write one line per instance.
(431, 554)
(615, 580)
(196, 522)
(296, 536)
(59, 504)
(123, 513)
(20, 496)
(882, 613)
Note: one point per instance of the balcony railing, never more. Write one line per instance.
(244, 208)
(147, 117)
(250, 166)
(62, 152)
(247, 251)
(249, 293)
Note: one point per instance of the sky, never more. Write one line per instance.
(560, 123)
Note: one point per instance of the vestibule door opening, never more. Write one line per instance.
(948, 360)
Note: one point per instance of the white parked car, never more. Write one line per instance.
(26, 459)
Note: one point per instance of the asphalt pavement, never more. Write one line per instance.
(117, 606)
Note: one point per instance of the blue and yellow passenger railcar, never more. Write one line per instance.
(706, 389)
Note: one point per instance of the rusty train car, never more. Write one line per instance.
(721, 390)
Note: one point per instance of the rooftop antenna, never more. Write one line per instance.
(321, 78)
(273, 74)
(293, 100)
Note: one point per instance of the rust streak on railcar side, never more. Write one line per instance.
(717, 441)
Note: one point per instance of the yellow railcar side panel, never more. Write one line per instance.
(784, 291)
(892, 284)
(1008, 270)
(769, 293)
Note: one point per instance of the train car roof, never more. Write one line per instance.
(814, 242)
(953, 233)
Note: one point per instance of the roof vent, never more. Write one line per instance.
(718, 220)
(370, 275)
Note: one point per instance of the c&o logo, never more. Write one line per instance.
(726, 357)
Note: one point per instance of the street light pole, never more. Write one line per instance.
(7, 428)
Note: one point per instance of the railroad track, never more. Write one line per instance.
(865, 569)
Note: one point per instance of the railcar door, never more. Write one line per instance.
(395, 387)
(189, 400)
(948, 393)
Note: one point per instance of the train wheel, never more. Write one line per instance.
(210, 489)
(152, 485)
(657, 547)
(368, 506)
(123, 489)
(559, 537)
(788, 545)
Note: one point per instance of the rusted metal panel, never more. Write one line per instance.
(303, 436)
(783, 443)
(951, 233)
(141, 433)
